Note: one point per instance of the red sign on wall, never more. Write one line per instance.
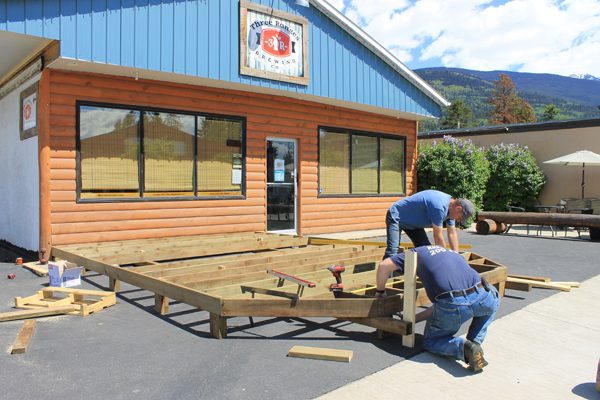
(276, 42)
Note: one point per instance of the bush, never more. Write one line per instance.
(515, 178)
(454, 167)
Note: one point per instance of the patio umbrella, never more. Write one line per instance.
(581, 157)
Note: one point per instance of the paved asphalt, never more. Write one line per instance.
(129, 352)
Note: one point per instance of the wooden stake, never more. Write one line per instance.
(410, 295)
(321, 354)
(24, 337)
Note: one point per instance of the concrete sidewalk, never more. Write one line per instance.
(547, 350)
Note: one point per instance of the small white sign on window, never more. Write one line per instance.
(236, 177)
(279, 164)
(279, 176)
(29, 111)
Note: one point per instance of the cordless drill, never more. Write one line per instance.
(337, 270)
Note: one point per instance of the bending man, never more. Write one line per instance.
(423, 210)
(458, 293)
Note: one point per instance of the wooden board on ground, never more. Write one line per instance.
(37, 268)
(35, 313)
(24, 337)
(226, 276)
(84, 302)
(318, 353)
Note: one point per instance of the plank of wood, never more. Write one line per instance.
(572, 284)
(385, 324)
(37, 268)
(410, 296)
(531, 278)
(24, 337)
(39, 312)
(319, 353)
(522, 286)
(545, 285)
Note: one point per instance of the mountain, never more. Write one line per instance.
(584, 76)
(574, 98)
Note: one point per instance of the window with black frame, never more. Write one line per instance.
(361, 164)
(133, 153)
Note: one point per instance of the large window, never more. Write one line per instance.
(133, 153)
(352, 163)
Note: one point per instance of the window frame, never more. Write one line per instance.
(141, 171)
(351, 132)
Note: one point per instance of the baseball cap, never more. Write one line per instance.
(467, 209)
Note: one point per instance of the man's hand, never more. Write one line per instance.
(381, 295)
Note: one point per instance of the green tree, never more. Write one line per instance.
(507, 107)
(454, 167)
(458, 116)
(550, 113)
(515, 178)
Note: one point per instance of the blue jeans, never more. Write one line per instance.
(450, 313)
(393, 230)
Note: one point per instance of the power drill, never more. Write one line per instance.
(337, 270)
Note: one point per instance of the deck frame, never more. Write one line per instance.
(214, 272)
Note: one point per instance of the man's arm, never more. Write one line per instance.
(452, 238)
(438, 236)
(383, 273)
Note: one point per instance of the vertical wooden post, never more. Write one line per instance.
(44, 161)
(161, 303)
(410, 295)
(218, 326)
(114, 285)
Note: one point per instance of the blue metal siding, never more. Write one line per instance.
(201, 38)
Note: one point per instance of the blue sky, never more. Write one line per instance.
(539, 36)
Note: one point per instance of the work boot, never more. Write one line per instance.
(474, 356)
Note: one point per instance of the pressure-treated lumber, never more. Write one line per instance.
(35, 313)
(407, 245)
(318, 353)
(24, 337)
(545, 285)
(227, 283)
(409, 300)
(555, 219)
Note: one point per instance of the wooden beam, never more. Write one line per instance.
(318, 353)
(218, 326)
(185, 250)
(522, 286)
(338, 308)
(161, 304)
(555, 219)
(529, 278)
(410, 294)
(386, 324)
(545, 285)
(24, 337)
(170, 290)
(407, 245)
(38, 312)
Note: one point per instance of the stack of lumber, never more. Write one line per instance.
(525, 283)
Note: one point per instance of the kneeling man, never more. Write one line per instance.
(458, 294)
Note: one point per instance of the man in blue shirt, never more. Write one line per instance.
(458, 293)
(429, 208)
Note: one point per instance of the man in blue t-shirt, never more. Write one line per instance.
(458, 293)
(429, 208)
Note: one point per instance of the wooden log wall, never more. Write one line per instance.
(266, 115)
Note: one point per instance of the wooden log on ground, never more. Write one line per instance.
(555, 219)
(24, 337)
(489, 226)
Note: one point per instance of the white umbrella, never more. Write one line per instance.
(581, 157)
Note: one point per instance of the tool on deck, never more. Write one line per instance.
(42, 256)
(337, 270)
(291, 278)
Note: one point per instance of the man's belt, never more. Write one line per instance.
(460, 293)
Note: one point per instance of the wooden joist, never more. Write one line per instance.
(318, 353)
(24, 337)
(37, 312)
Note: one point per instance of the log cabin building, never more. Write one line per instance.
(136, 119)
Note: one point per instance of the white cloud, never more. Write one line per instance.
(541, 36)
